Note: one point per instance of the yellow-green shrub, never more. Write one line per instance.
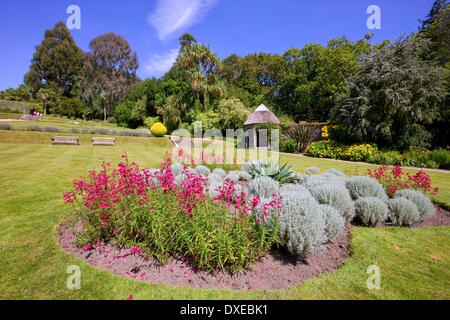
(158, 129)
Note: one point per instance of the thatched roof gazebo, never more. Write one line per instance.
(260, 116)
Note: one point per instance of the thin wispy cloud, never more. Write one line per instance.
(170, 16)
(159, 64)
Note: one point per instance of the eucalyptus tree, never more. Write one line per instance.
(109, 69)
(56, 61)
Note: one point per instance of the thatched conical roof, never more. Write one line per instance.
(261, 115)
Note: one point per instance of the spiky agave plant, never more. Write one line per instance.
(282, 174)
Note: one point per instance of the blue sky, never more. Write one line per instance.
(152, 27)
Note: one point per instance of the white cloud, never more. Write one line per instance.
(158, 64)
(172, 15)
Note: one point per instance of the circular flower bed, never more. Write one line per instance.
(182, 225)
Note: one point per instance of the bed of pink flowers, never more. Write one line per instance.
(149, 211)
(394, 179)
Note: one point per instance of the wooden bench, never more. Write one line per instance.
(65, 140)
(103, 141)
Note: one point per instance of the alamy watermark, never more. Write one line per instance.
(374, 280)
(237, 147)
(74, 280)
(374, 20)
(74, 20)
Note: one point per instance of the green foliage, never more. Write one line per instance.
(56, 62)
(392, 97)
(210, 238)
(442, 157)
(313, 77)
(122, 113)
(150, 121)
(303, 134)
(109, 71)
(70, 107)
(281, 174)
(289, 145)
(413, 157)
(232, 114)
(371, 210)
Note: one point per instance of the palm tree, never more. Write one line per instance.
(46, 95)
(199, 64)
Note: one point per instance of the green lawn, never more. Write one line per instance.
(414, 263)
(7, 115)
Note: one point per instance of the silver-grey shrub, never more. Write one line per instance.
(335, 172)
(371, 210)
(177, 168)
(403, 211)
(312, 170)
(233, 176)
(289, 187)
(301, 178)
(263, 187)
(302, 225)
(244, 176)
(363, 186)
(422, 202)
(334, 221)
(215, 179)
(179, 178)
(204, 171)
(219, 172)
(336, 196)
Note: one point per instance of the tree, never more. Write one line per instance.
(436, 28)
(232, 113)
(315, 76)
(392, 97)
(46, 95)
(186, 40)
(172, 112)
(109, 68)
(199, 64)
(70, 107)
(56, 61)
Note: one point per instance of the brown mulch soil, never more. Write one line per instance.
(277, 270)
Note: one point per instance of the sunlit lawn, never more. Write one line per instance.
(414, 263)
